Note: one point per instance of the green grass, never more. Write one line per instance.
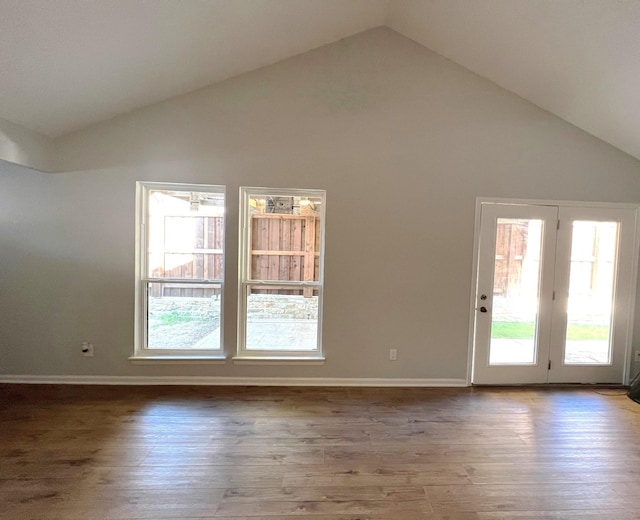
(582, 332)
(173, 318)
(525, 330)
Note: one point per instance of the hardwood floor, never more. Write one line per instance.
(89, 452)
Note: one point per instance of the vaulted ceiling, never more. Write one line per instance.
(67, 64)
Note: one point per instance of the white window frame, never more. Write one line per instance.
(143, 354)
(247, 356)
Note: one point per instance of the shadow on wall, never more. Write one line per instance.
(49, 304)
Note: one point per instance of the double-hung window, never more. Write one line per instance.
(180, 270)
(281, 274)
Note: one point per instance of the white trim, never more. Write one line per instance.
(570, 203)
(278, 360)
(141, 354)
(543, 202)
(474, 290)
(178, 360)
(626, 375)
(252, 356)
(233, 381)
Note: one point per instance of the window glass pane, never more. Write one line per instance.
(284, 238)
(185, 234)
(282, 319)
(591, 284)
(183, 316)
(516, 288)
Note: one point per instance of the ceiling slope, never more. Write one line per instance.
(579, 59)
(71, 63)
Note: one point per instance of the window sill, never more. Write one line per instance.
(178, 360)
(278, 360)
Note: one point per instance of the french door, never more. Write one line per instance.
(554, 293)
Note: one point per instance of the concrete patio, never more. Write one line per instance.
(271, 335)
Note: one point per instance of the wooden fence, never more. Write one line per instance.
(511, 249)
(283, 248)
(205, 260)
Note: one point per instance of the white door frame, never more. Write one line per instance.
(542, 202)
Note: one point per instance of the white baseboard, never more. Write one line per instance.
(231, 381)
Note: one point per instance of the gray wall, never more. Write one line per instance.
(26, 148)
(402, 140)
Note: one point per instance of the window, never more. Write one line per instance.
(180, 270)
(281, 268)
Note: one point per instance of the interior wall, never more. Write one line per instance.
(403, 141)
(25, 148)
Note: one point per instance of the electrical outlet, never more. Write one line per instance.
(636, 356)
(393, 354)
(87, 349)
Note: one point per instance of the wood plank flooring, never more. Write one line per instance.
(231, 453)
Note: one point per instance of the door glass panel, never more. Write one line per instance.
(592, 274)
(516, 288)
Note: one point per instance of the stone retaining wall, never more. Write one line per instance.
(262, 306)
(203, 308)
(279, 306)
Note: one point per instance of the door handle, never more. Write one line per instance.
(483, 309)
